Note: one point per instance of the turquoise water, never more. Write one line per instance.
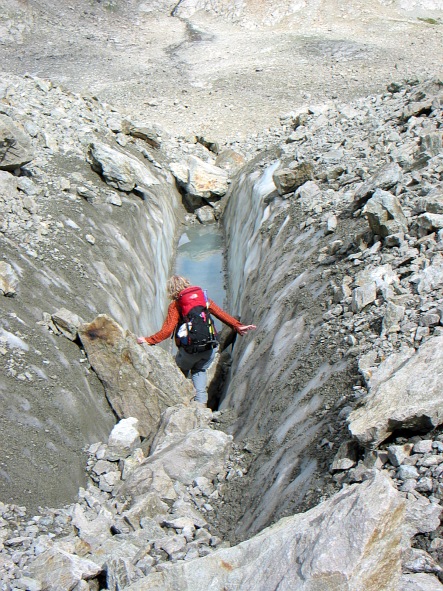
(200, 259)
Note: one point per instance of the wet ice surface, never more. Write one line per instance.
(200, 259)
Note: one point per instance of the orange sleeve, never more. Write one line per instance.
(168, 327)
(223, 316)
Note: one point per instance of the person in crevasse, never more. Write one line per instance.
(200, 361)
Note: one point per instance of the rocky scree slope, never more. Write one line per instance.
(341, 243)
(89, 215)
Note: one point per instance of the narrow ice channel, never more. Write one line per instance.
(200, 259)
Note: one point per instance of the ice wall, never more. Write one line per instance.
(277, 377)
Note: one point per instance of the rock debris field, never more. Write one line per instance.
(111, 477)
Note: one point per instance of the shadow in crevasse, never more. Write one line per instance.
(219, 373)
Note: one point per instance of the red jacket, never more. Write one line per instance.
(173, 318)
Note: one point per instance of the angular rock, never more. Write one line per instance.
(124, 437)
(420, 582)
(384, 179)
(398, 453)
(409, 398)
(67, 323)
(57, 569)
(363, 296)
(15, 145)
(393, 316)
(230, 161)
(139, 381)
(200, 180)
(147, 505)
(424, 446)
(427, 223)
(358, 547)
(120, 572)
(346, 456)
(148, 133)
(92, 531)
(8, 279)
(121, 171)
(288, 180)
(209, 144)
(385, 215)
(205, 214)
(432, 203)
(430, 278)
(407, 472)
(201, 452)
(176, 422)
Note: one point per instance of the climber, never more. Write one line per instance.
(195, 356)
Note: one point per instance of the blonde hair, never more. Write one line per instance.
(175, 285)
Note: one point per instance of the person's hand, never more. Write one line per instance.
(244, 328)
(141, 340)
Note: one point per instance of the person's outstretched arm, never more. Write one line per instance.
(166, 330)
(226, 318)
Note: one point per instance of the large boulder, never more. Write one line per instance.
(385, 215)
(201, 452)
(139, 381)
(119, 170)
(407, 397)
(230, 161)
(57, 569)
(200, 179)
(288, 180)
(385, 178)
(352, 541)
(15, 145)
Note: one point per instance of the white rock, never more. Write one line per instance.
(125, 436)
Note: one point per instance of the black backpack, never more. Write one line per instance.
(196, 331)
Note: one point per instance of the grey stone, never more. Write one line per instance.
(58, 569)
(120, 170)
(288, 180)
(428, 223)
(230, 161)
(201, 179)
(15, 145)
(67, 323)
(314, 558)
(430, 278)
(363, 296)
(139, 381)
(142, 131)
(120, 572)
(28, 584)
(420, 582)
(384, 179)
(398, 453)
(205, 214)
(424, 446)
(432, 203)
(176, 422)
(425, 485)
(393, 316)
(346, 456)
(408, 398)
(124, 438)
(385, 215)
(406, 472)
